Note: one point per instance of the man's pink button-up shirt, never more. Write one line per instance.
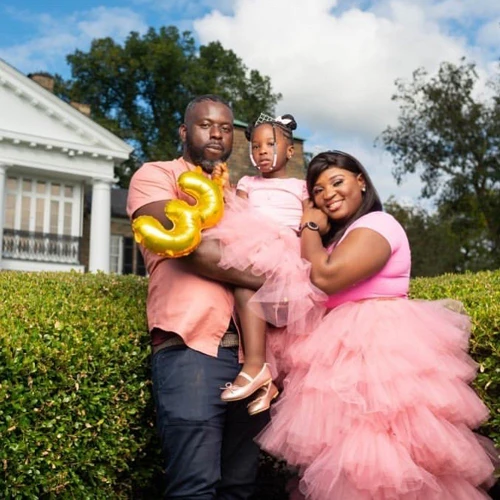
(197, 309)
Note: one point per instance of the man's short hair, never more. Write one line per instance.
(202, 98)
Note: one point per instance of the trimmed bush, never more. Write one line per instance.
(76, 415)
(480, 294)
(75, 405)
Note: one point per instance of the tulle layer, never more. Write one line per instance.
(250, 241)
(247, 238)
(377, 405)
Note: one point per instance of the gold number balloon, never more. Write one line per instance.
(188, 220)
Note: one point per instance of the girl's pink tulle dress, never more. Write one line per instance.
(376, 402)
(260, 234)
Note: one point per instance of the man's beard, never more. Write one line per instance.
(197, 156)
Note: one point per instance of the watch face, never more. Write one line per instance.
(309, 225)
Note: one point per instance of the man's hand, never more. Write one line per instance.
(204, 262)
(221, 174)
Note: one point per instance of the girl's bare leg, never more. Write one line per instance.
(255, 377)
(253, 331)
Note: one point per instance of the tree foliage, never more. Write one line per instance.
(435, 248)
(139, 89)
(449, 133)
(442, 241)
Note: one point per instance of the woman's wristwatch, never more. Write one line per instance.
(308, 225)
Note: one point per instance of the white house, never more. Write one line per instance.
(50, 154)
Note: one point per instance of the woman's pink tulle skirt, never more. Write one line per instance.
(377, 405)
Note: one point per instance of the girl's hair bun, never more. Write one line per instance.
(288, 121)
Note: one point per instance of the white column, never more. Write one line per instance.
(3, 170)
(100, 226)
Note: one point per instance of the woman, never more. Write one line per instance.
(377, 404)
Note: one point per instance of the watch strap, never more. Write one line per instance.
(308, 225)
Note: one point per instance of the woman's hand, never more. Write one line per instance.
(312, 214)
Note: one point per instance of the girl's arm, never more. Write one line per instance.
(242, 187)
(361, 254)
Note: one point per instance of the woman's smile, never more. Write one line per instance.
(334, 205)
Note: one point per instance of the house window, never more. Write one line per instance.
(116, 254)
(42, 220)
(42, 206)
(125, 256)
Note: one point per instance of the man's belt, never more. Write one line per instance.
(229, 339)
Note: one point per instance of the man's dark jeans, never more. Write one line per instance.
(207, 444)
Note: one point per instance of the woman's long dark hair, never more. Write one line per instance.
(370, 203)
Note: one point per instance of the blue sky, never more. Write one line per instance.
(334, 61)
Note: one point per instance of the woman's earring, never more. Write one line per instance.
(363, 189)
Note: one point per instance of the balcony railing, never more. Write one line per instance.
(41, 247)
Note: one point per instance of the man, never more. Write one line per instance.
(207, 444)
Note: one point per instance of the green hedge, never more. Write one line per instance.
(480, 294)
(76, 416)
(75, 406)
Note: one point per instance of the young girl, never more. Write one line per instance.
(261, 234)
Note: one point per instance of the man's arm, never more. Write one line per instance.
(203, 261)
(156, 210)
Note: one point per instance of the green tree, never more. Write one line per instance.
(221, 72)
(139, 89)
(449, 134)
(435, 248)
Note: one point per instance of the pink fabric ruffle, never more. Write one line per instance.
(250, 241)
(377, 405)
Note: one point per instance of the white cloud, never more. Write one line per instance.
(489, 34)
(337, 71)
(336, 65)
(54, 38)
(463, 11)
(114, 22)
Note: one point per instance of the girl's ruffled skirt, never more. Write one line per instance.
(377, 406)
